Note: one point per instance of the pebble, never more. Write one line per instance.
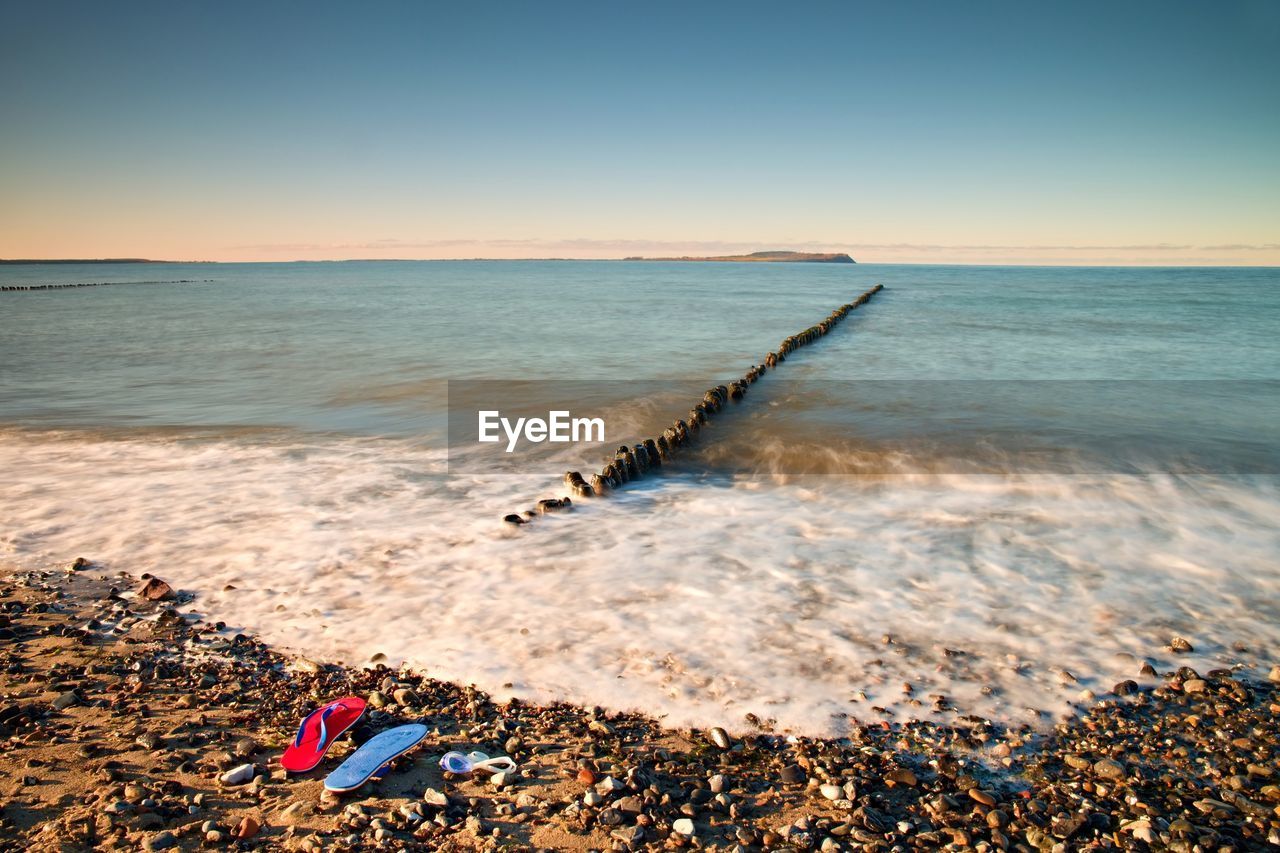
(1181, 646)
(720, 738)
(435, 798)
(630, 835)
(1109, 768)
(296, 812)
(160, 841)
(237, 776)
(66, 700)
(980, 796)
(609, 785)
(792, 774)
(901, 776)
(247, 828)
(717, 783)
(832, 792)
(156, 590)
(683, 826)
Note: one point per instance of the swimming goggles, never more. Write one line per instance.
(456, 762)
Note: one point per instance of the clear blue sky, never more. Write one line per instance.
(1079, 132)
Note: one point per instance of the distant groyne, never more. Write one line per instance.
(29, 287)
(634, 462)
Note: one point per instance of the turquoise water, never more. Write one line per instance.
(282, 428)
(366, 347)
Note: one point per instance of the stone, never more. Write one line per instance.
(297, 812)
(720, 738)
(244, 747)
(629, 805)
(717, 783)
(609, 785)
(630, 835)
(1180, 646)
(404, 697)
(238, 775)
(792, 774)
(683, 826)
(66, 700)
(832, 792)
(247, 828)
(156, 590)
(378, 699)
(901, 776)
(980, 796)
(160, 841)
(435, 799)
(1109, 768)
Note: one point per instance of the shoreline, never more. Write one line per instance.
(121, 716)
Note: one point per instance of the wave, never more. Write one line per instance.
(700, 596)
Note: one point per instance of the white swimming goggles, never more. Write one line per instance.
(456, 762)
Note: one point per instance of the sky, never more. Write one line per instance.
(932, 132)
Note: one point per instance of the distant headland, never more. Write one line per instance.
(767, 257)
(90, 261)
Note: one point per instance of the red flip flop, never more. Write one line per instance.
(318, 731)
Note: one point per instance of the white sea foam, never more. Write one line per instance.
(699, 600)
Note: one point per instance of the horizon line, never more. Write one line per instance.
(474, 259)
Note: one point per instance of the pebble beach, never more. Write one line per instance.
(129, 724)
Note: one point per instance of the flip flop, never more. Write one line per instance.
(318, 731)
(372, 759)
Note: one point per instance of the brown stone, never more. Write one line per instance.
(156, 590)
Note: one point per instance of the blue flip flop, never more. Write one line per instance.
(371, 760)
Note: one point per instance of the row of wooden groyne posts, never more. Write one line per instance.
(9, 287)
(632, 463)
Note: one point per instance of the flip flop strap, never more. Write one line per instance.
(324, 732)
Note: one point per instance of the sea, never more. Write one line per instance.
(991, 491)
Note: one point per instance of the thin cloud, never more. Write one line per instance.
(1243, 247)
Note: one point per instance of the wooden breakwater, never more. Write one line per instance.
(30, 287)
(632, 463)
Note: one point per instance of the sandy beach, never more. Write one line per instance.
(128, 725)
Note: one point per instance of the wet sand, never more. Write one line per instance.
(121, 718)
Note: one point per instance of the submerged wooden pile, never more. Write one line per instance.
(632, 463)
(25, 287)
